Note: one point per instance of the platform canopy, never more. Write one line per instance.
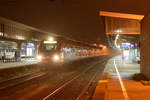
(121, 15)
(121, 23)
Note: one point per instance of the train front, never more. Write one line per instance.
(48, 51)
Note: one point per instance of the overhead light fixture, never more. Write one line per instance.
(118, 31)
(51, 39)
(50, 42)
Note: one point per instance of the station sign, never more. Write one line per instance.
(50, 42)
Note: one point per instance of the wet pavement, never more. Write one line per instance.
(116, 83)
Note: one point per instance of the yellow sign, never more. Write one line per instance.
(119, 41)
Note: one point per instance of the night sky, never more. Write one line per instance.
(77, 19)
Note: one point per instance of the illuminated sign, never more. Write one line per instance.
(30, 45)
(125, 45)
(50, 42)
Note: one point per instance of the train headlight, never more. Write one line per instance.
(39, 57)
(56, 57)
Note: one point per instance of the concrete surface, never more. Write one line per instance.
(116, 83)
(23, 62)
(30, 61)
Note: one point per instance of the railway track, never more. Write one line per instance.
(19, 80)
(51, 86)
(63, 92)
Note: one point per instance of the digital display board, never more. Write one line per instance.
(50, 42)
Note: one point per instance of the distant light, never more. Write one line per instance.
(118, 46)
(1, 34)
(126, 53)
(125, 45)
(128, 43)
(39, 57)
(20, 37)
(104, 47)
(94, 44)
(50, 42)
(51, 39)
(31, 45)
(115, 42)
(56, 58)
(118, 31)
(100, 45)
(132, 46)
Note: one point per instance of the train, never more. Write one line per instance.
(58, 49)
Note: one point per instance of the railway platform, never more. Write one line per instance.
(23, 62)
(30, 61)
(117, 83)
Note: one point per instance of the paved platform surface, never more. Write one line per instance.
(23, 62)
(30, 61)
(116, 83)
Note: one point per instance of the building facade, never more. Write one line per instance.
(18, 41)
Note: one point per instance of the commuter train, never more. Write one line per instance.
(59, 49)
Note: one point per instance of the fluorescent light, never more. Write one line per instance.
(118, 31)
(50, 42)
(51, 39)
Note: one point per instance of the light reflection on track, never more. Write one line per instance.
(68, 82)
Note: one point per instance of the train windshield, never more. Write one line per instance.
(47, 48)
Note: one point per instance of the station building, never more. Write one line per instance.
(18, 38)
(20, 41)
